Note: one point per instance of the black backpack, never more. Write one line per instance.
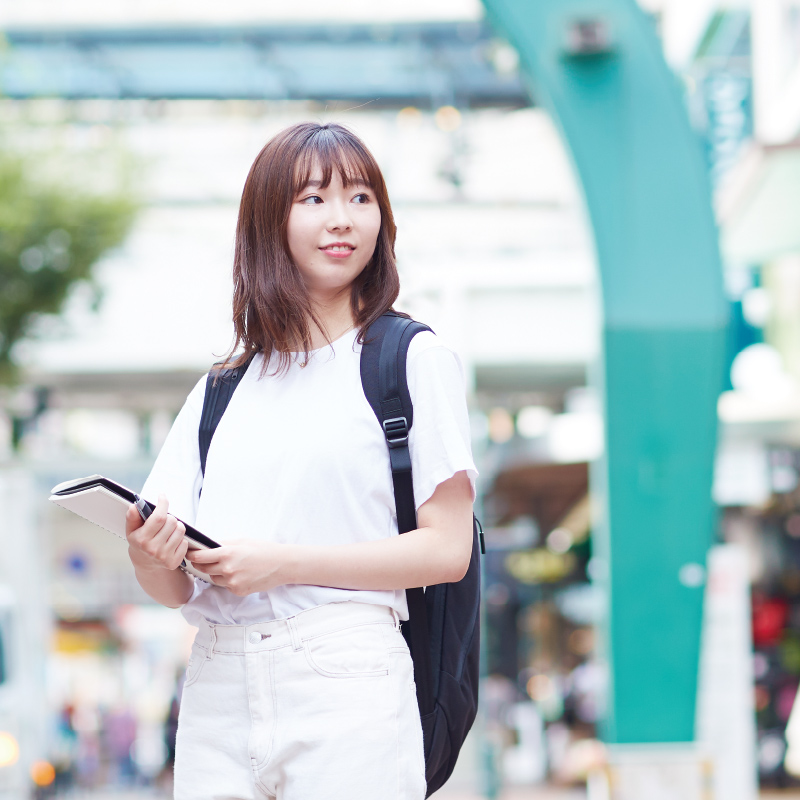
(443, 630)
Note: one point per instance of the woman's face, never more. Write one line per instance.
(332, 233)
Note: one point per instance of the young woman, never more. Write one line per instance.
(300, 684)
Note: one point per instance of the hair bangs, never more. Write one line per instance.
(272, 310)
(324, 151)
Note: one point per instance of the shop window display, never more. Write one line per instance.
(543, 696)
(771, 536)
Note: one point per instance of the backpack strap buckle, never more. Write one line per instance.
(396, 430)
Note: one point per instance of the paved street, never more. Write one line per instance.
(542, 793)
(538, 793)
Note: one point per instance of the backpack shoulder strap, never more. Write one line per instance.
(385, 383)
(383, 378)
(220, 386)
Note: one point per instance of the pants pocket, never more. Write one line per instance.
(357, 652)
(197, 661)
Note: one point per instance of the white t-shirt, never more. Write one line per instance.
(301, 458)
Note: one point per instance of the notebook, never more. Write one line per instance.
(105, 503)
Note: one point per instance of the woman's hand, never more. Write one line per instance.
(244, 566)
(159, 542)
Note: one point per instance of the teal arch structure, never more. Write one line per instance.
(597, 66)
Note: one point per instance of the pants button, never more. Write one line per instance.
(254, 638)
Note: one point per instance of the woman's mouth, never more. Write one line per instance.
(338, 250)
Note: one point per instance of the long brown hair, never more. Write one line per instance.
(272, 310)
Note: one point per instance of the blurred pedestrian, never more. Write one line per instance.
(119, 729)
(300, 684)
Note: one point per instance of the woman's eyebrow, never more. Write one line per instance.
(316, 184)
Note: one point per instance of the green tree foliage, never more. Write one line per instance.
(51, 235)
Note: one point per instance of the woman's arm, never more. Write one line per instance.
(438, 551)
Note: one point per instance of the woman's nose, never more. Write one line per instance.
(339, 217)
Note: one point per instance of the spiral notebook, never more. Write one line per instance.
(105, 503)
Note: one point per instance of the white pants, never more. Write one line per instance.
(319, 706)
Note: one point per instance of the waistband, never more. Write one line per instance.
(294, 630)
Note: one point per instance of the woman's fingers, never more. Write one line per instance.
(153, 540)
(157, 520)
(133, 520)
(175, 546)
(165, 533)
(160, 538)
(210, 562)
(211, 556)
(207, 562)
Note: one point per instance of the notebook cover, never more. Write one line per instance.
(105, 503)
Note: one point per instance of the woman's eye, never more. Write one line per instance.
(312, 200)
(361, 198)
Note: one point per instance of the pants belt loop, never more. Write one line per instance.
(396, 619)
(212, 643)
(291, 623)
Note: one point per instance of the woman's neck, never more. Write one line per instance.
(335, 320)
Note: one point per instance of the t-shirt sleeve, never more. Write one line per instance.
(439, 440)
(176, 472)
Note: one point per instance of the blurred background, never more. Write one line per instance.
(126, 133)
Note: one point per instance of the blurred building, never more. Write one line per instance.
(494, 254)
(740, 65)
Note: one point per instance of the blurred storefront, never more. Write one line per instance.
(90, 668)
(540, 612)
(545, 686)
(495, 254)
(751, 120)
